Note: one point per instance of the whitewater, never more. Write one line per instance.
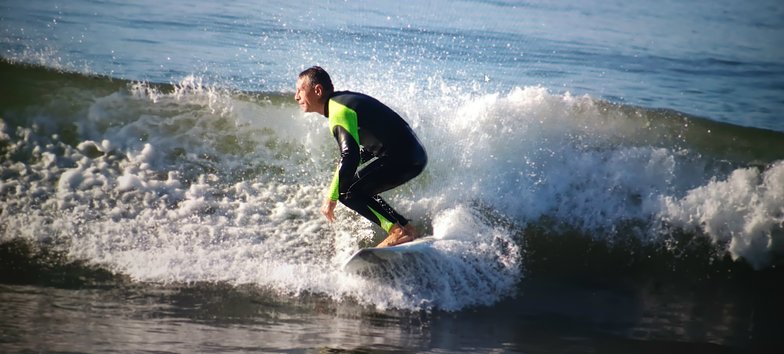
(191, 183)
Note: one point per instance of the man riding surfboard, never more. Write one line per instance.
(364, 129)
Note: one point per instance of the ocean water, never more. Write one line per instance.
(603, 177)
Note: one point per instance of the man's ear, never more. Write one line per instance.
(318, 89)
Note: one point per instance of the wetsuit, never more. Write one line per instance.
(365, 129)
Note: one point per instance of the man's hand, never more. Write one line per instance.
(328, 209)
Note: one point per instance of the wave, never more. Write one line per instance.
(189, 182)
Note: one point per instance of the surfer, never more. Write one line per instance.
(365, 129)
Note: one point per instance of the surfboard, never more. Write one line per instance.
(371, 256)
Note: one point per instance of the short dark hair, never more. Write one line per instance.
(318, 76)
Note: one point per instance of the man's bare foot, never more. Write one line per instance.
(394, 233)
(399, 235)
(411, 231)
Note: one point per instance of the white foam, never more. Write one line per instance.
(744, 211)
(197, 185)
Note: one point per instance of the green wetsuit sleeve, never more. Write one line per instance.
(344, 127)
(347, 167)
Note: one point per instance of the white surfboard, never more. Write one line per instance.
(367, 257)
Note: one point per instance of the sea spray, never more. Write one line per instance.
(190, 183)
(153, 192)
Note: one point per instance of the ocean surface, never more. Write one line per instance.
(604, 177)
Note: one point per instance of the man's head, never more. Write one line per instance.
(313, 89)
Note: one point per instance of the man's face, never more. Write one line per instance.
(308, 95)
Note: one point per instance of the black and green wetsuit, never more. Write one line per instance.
(365, 129)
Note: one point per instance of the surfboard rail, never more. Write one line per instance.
(367, 257)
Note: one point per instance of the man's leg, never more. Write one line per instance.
(374, 209)
(398, 228)
(379, 176)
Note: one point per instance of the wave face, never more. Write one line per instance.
(192, 183)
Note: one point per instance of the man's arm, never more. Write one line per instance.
(344, 173)
(349, 161)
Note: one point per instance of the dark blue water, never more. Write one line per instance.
(718, 59)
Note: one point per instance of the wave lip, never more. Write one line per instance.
(745, 211)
